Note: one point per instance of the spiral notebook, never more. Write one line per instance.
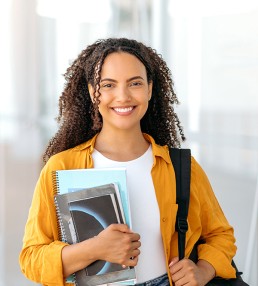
(66, 181)
(82, 200)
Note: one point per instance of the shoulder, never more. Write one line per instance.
(201, 187)
(198, 175)
(73, 158)
(62, 160)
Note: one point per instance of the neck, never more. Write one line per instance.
(121, 146)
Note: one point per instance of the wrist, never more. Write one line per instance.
(90, 250)
(208, 271)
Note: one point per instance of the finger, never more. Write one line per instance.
(136, 244)
(135, 253)
(131, 261)
(177, 265)
(120, 227)
(180, 279)
(135, 237)
(173, 261)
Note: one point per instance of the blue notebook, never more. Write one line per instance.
(66, 181)
(69, 181)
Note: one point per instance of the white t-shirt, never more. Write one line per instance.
(144, 212)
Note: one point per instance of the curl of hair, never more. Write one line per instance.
(79, 119)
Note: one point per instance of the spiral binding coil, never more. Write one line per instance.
(60, 226)
(55, 183)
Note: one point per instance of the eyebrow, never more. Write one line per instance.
(128, 80)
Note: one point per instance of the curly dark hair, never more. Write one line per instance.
(79, 119)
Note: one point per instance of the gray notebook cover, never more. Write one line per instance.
(85, 213)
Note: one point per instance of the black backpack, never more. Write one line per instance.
(181, 160)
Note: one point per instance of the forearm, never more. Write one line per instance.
(78, 256)
(116, 244)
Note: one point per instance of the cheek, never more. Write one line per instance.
(102, 107)
(145, 100)
(145, 106)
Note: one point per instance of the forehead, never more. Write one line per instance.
(122, 64)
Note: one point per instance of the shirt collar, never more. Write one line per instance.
(88, 144)
(158, 151)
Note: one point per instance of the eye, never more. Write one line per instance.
(106, 85)
(136, 83)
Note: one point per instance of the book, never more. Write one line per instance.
(80, 199)
(83, 214)
(66, 181)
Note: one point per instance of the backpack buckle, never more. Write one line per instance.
(182, 225)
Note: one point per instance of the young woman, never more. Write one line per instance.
(117, 110)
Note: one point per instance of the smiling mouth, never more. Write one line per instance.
(123, 109)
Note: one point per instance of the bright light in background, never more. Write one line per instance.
(7, 102)
(69, 15)
(205, 8)
(88, 11)
(6, 107)
(192, 12)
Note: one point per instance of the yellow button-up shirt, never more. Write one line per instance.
(40, 258)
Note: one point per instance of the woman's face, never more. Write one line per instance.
(125, 92)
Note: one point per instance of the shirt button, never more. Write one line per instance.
(163, 219)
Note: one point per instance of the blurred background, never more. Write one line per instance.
(211, 48)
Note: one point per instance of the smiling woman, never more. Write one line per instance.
(118, 105)
(93, 74)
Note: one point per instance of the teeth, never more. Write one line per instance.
(126, 109)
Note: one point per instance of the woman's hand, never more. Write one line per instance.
(186, 272)
(118, 244)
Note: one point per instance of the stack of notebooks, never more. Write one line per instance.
(87, 201)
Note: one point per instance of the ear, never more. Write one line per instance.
(150, 85)
(91, 91)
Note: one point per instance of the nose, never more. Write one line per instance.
(123, 94)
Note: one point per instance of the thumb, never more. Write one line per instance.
(173, 261)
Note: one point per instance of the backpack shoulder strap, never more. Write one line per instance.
(181, 160)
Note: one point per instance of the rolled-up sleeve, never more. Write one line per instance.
(219, 247)
(40, 258)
